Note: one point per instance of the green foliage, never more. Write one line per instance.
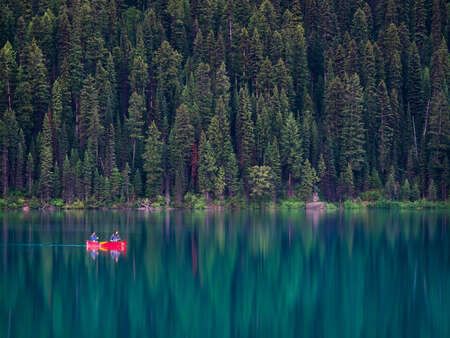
(272, 160)
(261, 183)
(431, 192)
(352, 136)
(57, 202)
(193, 201)
(153, 161)
(245, 133)
(291, 203)
(207, 168)
(219, 184)
(46, 164)
(308, 181)
(371, 195)
(346, 187)
(391, 188)
(290, 150)
(405, 191)
(354, 88)
(332, 207)
(135, 122)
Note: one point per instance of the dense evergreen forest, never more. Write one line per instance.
(109, 100)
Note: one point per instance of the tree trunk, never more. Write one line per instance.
(290, 190)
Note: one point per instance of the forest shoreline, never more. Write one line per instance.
(26, 205)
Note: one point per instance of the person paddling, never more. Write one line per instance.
(115, 237)
(94, 237)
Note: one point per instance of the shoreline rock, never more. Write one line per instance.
(316, 206)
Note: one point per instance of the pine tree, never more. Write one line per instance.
(203, 95)
(167, 62)
(23, 102)
(219, 184)
(420, 30)
(296, 50)
(116, 182)
(281, 77)
(110, 151)
(135, 121)
(46, 161)
(30, 173)
(126, 184)
(272, 160)
(394, 73)
(308, 181)
(334, 107)
(219, 134)
(89, 121)
(232, 175)
(439, 132)
(291, 151)
(245, 133)
(405, 192)
(138, 77)
(306, 132)
(263, 129)
(391, 185)
(385, 122)
(183, 134)
(199, 53)
(415, 89)
(20, 161)
(87, 172)
(374, 180)
(152, 157)
(222, 85)
(207, 169)
(255, 56)
(38, 79)
(56, 181)
(359, 27)
(345, 185)
(415, 192)
(106, 94)
(79, 179)
(137, 182)
(321, 173)
(261, 183)
(67, 181)
(432, 191)
(264, 79)
(352, 137)
(9, 141)
(379, 63)
(7, 70)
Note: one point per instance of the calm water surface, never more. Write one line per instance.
(227, 274)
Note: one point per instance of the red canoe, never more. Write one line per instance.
(119, 246)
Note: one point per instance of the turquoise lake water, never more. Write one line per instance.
(226, 274)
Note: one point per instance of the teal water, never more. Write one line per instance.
(226, 274)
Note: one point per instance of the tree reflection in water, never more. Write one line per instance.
(228, 274)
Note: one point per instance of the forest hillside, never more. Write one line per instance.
(109, 100)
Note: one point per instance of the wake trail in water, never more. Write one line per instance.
(41, 245)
